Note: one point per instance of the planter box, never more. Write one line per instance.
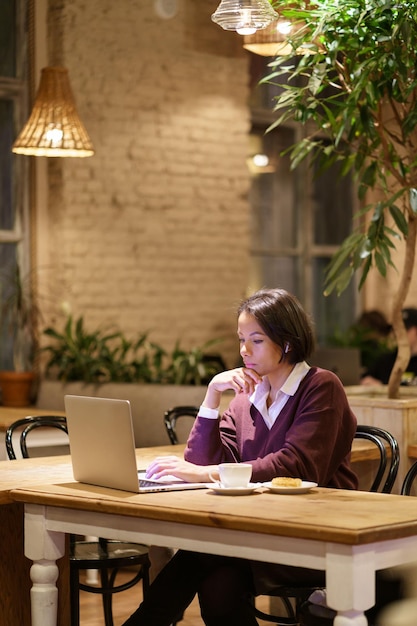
(372, 407)
(148, 403)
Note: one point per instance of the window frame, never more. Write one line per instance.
(306, 251)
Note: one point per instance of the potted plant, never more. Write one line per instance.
(355, 93)
(18, 317)
(106, 355)
(104, 362)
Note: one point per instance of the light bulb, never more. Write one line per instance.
(284, 27)
(247, 28)
(260, 160)
(54, 135)
(245, 31)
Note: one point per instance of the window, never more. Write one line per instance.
(298, 219)
(14, 236)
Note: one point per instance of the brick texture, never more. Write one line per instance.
(152, 232)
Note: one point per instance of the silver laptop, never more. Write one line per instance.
(102, 447)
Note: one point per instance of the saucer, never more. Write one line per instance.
(305, 486)
(233, 491)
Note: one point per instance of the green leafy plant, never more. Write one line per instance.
(354, 92)
(192, 367)
(101, 356)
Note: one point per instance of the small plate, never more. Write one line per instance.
(305, 486)
(233, 491)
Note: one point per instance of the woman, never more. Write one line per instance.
(287, 419)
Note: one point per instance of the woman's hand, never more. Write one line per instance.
(174, 466)
(240, 380)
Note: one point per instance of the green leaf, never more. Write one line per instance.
(399, 219)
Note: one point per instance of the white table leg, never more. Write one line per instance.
(350, 584)
(350, 618)
(43, 547)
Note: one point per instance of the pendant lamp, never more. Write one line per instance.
(54, 128)
(244, 16)
(274, 40)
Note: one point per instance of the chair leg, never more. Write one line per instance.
(74, 596)
(107, 596)
(145, 579)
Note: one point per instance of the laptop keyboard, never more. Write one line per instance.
(147, 483)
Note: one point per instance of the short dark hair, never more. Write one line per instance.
(409, 318)
(284, 321)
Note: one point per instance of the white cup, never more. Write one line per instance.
(234, 475)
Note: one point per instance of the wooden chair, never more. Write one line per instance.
(388, 465)
(171, 418)
(294, 598)
(106, 556)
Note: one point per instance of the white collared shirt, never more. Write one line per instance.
(259, 397)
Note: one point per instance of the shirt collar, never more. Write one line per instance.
(294, 379)
(289, 387)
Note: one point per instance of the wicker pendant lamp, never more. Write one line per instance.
(54, 128)
(275, 39)
(244, 16)
(272, 40)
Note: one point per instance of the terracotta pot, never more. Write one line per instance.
(16, 388)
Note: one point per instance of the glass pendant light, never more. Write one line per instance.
(244, 16)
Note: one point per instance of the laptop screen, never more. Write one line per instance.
(101, 442)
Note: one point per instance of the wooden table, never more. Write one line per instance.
(9, 414)
(14, 568)
(348, 534)
(412, 451)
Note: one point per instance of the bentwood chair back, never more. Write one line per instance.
(388, 459)
(408, 487)
(103, 555)
(178, 422)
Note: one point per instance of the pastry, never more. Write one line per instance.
(285, 481)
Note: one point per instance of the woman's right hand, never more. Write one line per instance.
(240, 380)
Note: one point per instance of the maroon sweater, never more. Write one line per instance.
(310, 439)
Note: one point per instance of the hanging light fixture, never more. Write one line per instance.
(54, 128)
(270, 41)
(273, 40)
(244, 16)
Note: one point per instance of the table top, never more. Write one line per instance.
(327, 514)
(334, 515)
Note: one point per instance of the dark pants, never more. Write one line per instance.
(224, 586)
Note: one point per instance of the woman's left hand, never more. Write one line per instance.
(174, 466)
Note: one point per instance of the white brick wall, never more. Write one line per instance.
(152, 232)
